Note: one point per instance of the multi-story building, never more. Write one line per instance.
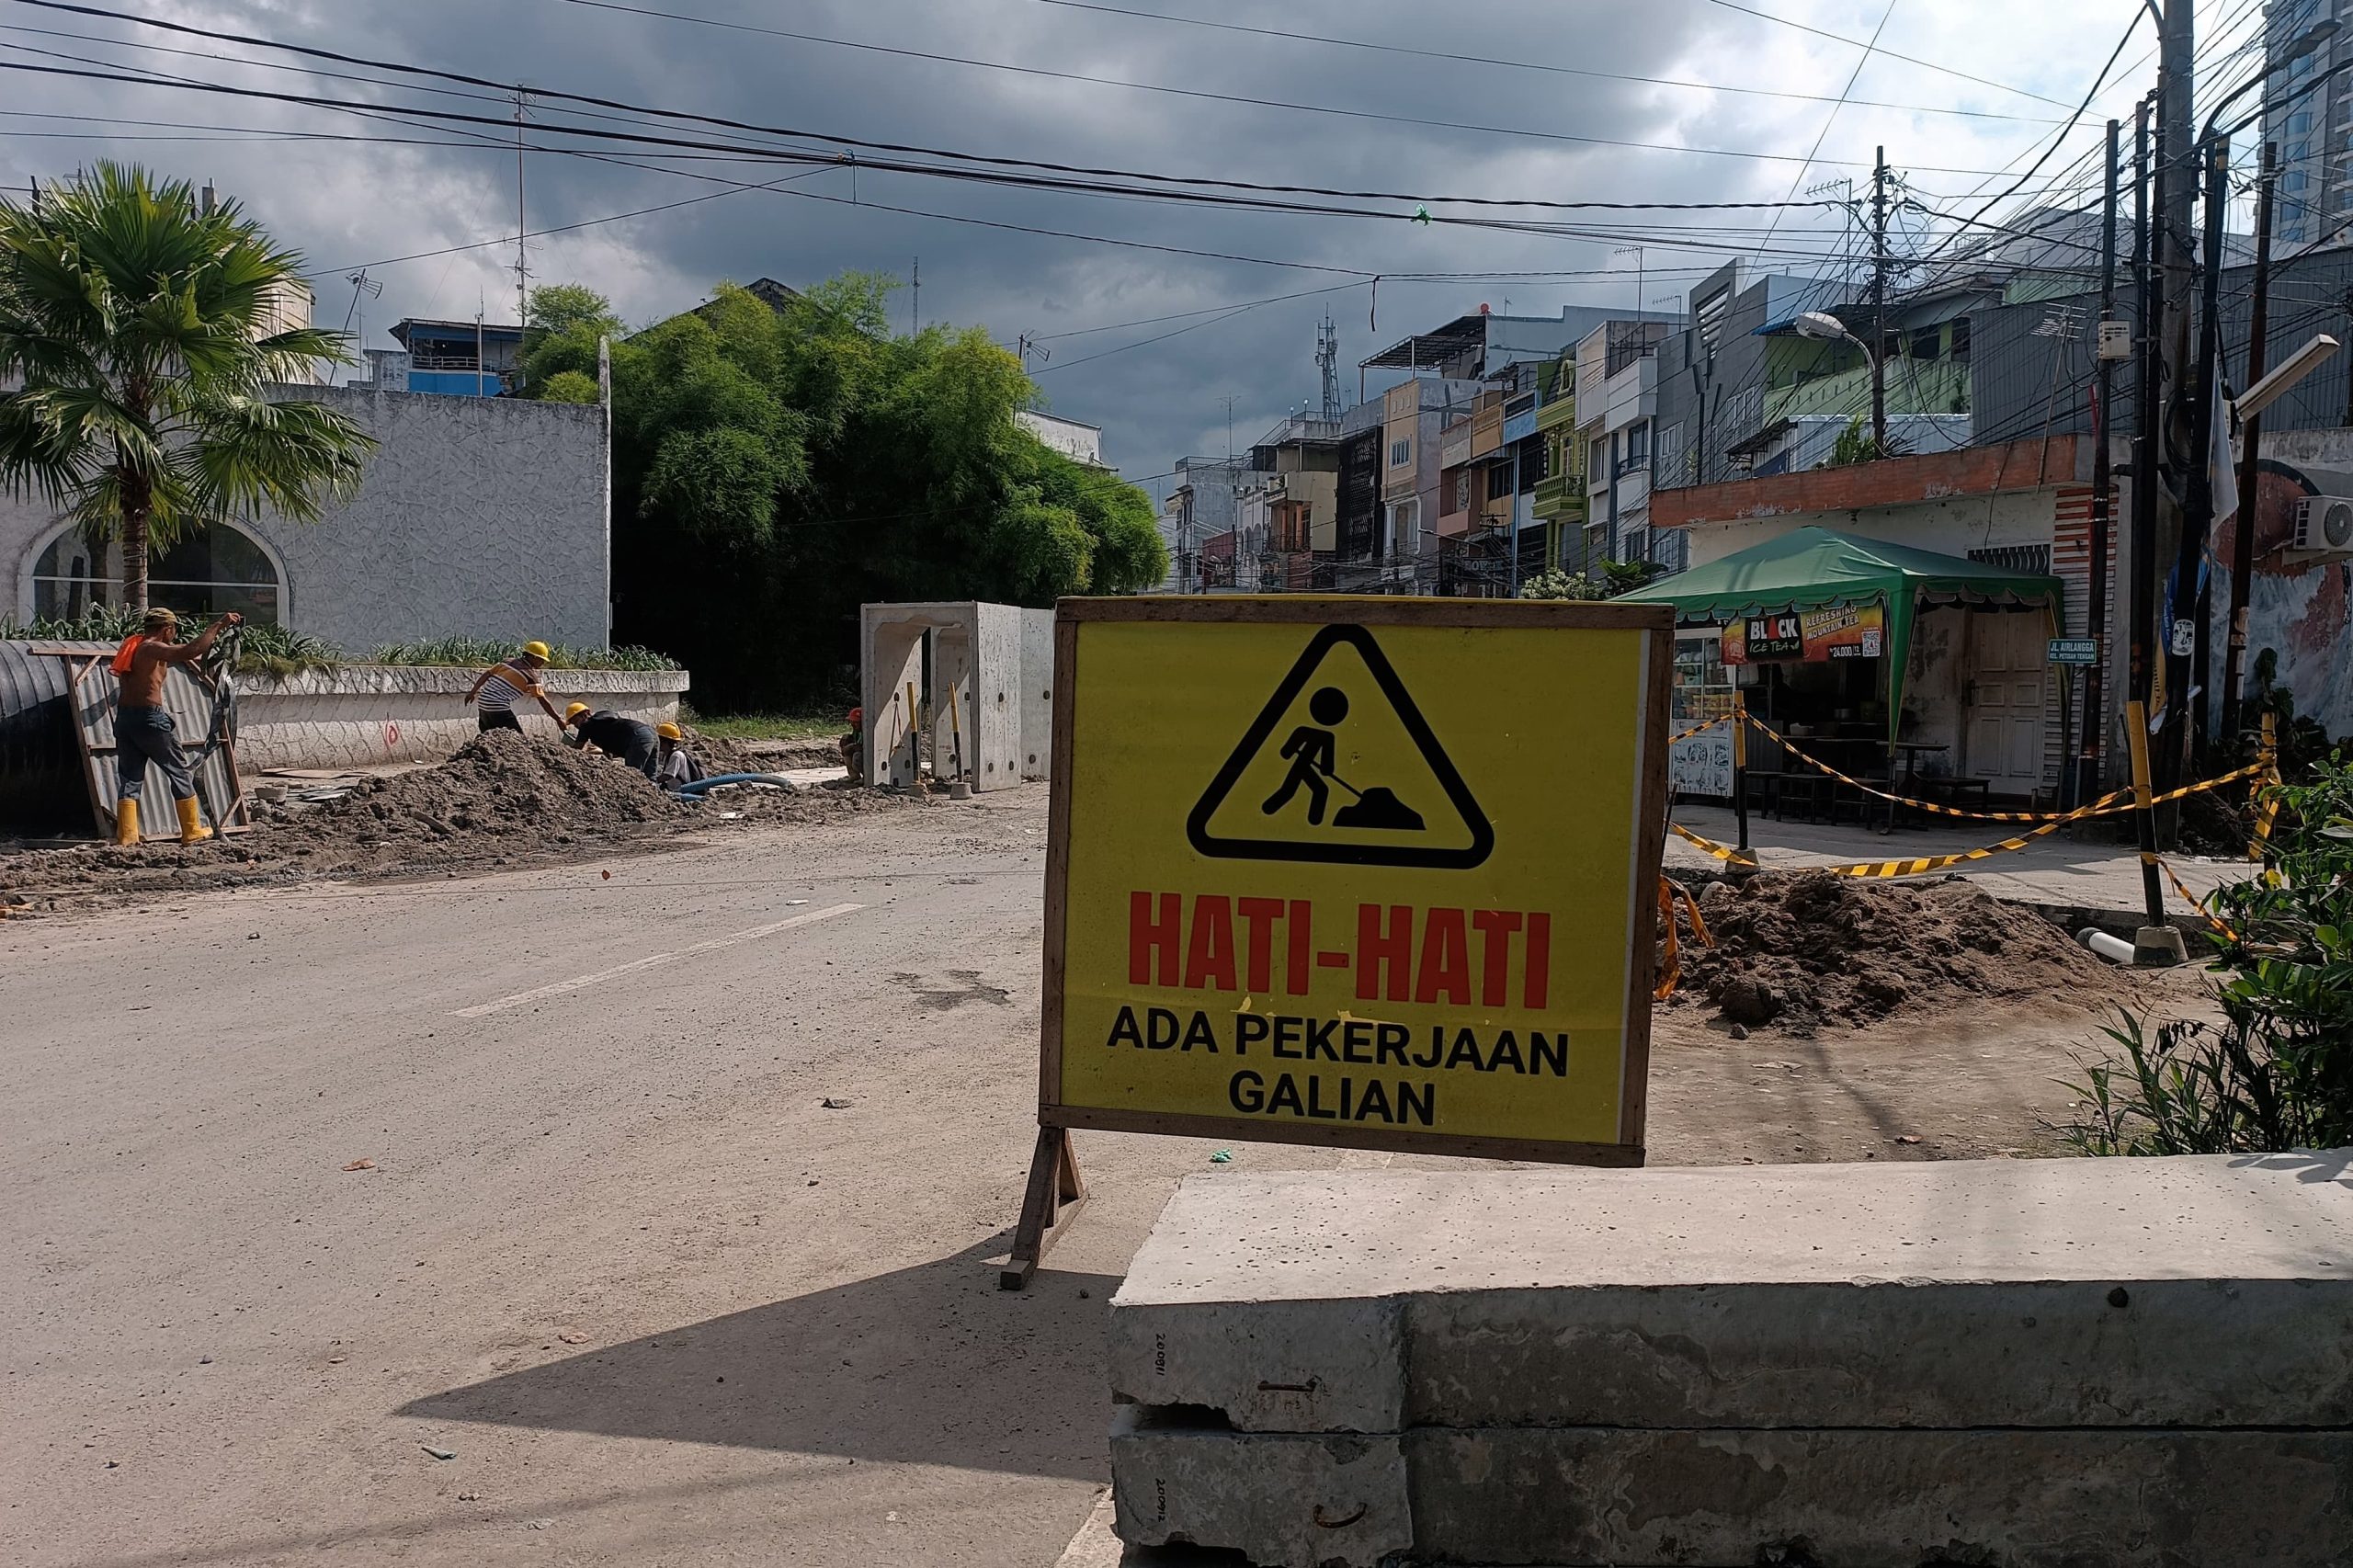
(1206, 505)
(455, 359)
(1617, 404)
(2314, 130)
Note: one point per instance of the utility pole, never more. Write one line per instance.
(2147, 430)
(522, 263)
(2184, 672)
(2103, 485)
(2175, 198)
(1879, 305)
(914, 300)
(2243, 540)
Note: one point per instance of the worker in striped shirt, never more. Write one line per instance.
(498, 689)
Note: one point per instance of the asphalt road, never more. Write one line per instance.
(616, 1255)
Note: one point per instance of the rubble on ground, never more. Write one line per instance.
(1800, 950)
(501, 800)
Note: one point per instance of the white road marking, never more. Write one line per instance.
(560, 987)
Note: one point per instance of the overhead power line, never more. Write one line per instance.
(1907, 59)
(1519, 64)
(835, 139)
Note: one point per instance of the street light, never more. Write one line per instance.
(1823, 326)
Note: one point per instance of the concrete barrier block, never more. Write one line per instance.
(1567, 1498)
(1264, 1367)
(2196, 1292)
(1327, 1500)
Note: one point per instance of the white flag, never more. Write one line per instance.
(2222, 473)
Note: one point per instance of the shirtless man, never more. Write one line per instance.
(144, 730)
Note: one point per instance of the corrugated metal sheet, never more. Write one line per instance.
(91, 696)
(41, 772)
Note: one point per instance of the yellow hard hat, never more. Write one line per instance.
(537, 650)
(575, 711)
(669, 732)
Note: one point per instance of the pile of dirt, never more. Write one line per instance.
(502, 800)
(499, 791)
(1804, 949)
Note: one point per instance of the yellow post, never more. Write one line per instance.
(2266, 807)
(914, 739)
(1740, 765)
(2136, 727)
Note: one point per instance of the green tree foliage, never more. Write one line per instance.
(561, 332)
(140, 327)
(2276, 1073)
(1614, 577)
(775, 469)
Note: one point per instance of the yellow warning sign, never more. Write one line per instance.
(1364, 871)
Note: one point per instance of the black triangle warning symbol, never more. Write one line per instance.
(1340, 766)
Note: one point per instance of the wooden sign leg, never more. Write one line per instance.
(1056, 1194)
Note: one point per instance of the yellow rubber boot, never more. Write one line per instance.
(126, 821)
(192, 831)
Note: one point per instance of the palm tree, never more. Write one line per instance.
(138, 326)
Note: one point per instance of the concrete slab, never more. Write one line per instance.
(2201, 1292)
(1329, 1500)
(1869, 1499)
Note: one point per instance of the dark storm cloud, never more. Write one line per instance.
(345, 204)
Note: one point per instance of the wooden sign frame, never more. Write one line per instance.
(1055, 1188)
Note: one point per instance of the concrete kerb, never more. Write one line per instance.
(363, 715)
(2206, 1292)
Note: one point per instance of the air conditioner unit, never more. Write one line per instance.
(2323, 525)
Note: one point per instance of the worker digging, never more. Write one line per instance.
(498, 689)
(144, 729)
(632, 740)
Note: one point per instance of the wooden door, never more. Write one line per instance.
(2004, 692)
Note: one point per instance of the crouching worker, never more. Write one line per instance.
(612, 734)
(853, 746)
(144, 730)
(674, 767)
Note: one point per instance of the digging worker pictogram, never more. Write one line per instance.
(1313, 754)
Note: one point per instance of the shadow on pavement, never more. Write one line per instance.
(928, 1365)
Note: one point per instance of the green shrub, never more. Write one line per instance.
(476, 652)
(2277, 1072)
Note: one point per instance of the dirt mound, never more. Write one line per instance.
(499, 788)
(1804, 950)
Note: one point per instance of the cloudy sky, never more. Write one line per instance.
(1066, 82)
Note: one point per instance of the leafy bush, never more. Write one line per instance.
(1616, 577)
(2277, 1072)
(477, 652)
(263, 649)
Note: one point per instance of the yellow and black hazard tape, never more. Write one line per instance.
(1670, 967)
(1720, 851)
(1698, 729)
(1921, 864)
(2190, 898)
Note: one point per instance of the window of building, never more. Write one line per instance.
(1960, 338)
(2299, 151)
(1638, 447)
(1401, 453)
(1598, 456)
(207, 574)
(2299, 122)
(1709, 312)
(1498, 481)
(1926, 343)
(2293, 180)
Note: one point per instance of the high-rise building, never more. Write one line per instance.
(2312, 130)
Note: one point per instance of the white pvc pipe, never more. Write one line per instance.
(2114, 949)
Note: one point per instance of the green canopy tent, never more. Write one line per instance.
(1811, 568)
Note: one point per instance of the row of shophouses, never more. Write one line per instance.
(1510, 446)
